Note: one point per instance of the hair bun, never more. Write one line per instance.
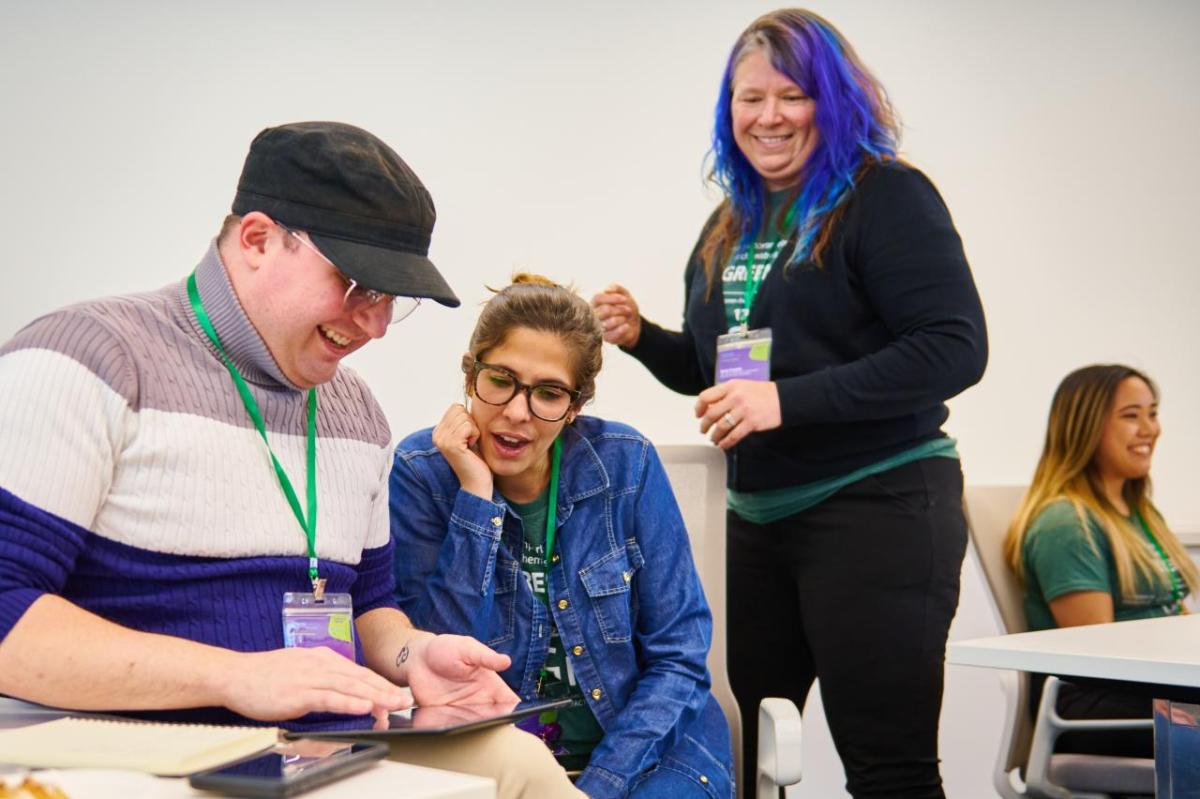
(532, 279)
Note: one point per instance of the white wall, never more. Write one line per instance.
(568, 139)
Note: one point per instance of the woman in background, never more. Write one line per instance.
(829, 312)
(556, 538)
(1089, 545)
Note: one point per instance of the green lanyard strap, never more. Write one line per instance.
(552, 499)
(551, 518)
(1177, 592)
(307, 524)
(754, 279)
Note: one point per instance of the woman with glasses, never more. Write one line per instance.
(555, 538)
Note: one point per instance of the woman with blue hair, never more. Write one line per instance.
(829, 313)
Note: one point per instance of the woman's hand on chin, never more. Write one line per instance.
(457, 438)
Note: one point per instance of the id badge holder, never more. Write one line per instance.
(744, 355)
(328, 621)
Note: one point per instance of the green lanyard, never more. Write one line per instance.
(552, 499)
(754, 278)
(1176, 588)
(309, 524)
(551, 517)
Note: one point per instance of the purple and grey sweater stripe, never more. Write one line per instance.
(133, 485)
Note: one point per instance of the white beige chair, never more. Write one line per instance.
(1029, 742)
(697, 475)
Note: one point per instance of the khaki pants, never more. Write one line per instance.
(520, 763)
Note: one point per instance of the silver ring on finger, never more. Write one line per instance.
(729, 420)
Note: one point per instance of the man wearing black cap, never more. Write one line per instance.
(166, 457)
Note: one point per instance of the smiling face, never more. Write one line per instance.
(773, 120)
(1130, 432)
(512, 441)
(294, 299)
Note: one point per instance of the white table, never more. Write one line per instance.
(1162, 651)
(385, 780)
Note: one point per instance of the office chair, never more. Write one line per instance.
(697, 475)
(1029, 742)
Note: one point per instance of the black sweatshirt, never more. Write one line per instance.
(866, 347)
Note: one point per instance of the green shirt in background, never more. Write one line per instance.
(1062, 555)
(580, 732)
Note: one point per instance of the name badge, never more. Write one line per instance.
(328, 621)
(744, 355)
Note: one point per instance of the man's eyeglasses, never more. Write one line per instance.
(356, 297)
(495, 385)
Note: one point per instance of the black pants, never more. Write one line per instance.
(858, 591)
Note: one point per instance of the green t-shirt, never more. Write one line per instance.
(580, 730)
(1061, 555)
(767, 249)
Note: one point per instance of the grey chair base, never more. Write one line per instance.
(1103, 775)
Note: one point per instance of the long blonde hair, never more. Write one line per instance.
(1067, 470)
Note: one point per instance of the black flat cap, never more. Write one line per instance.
(358, 201)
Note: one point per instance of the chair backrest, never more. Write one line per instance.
(697, 475)
(989, 511)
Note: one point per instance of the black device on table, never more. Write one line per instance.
(338, 749)
(290, 768)
(437, 720)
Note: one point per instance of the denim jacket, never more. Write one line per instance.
(623, 592)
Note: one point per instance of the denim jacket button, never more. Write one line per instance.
(703, 780)
(625, 576)
(577, 651)
(562, 604)
(554, 558)
(497, 521)
(597, 693)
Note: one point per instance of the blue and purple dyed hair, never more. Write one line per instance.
(856, 125)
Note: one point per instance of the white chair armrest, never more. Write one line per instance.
(1047, 727)
(778, 745)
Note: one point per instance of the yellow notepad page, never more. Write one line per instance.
(169, 750)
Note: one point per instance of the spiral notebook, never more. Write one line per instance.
(168, 750)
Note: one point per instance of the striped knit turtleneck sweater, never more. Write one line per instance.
(133, 483)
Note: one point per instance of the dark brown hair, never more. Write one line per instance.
(538, 303)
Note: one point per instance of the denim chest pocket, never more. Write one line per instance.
(502, 622)
(609, 581)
